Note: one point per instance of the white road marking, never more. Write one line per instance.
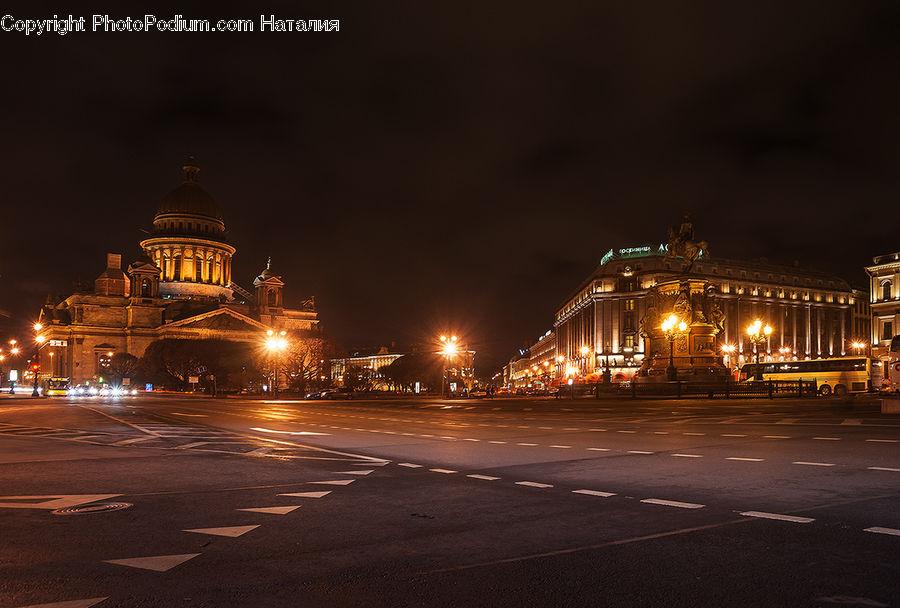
(745, 459)
(71, 603)
(599, 449)
(672, 503)
(626, 431)
(593, 493)
(776, 437)
(191, 415)
(308, 494)
(471, 439)
(442, 471)
(852, 421)
(534, 484)
(693, 433)
(814, 464)
(546, 428)
(409, 465)
(231, 531)
(531, 444)
(256, 452)
(572, 429)
(732, 435)
(827, 438)
(157, 563)
(660, 432)
(484, 477)
(872, 468)
(561, 446)
(791, 518)
(638, 452)
(597, 430)
(272, 510)
(262, 430)
(134, 440)
(53, 501)
(688, 455)
(356, 472)
(879, 530)
(336, 482)
(883, 440)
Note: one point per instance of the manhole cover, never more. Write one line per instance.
(97, 507)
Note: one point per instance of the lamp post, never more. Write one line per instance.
(728, 349)
(35, 367)
(448, 350)
(670, 328)
(758, 334)
(275, 344)
(858, 345)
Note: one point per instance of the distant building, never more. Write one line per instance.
(884, 298)
(371, 363)
(180, 288)
(598, 327)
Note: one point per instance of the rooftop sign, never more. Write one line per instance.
(633, 252)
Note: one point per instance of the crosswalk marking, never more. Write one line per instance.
(778, 516)
(157, 563)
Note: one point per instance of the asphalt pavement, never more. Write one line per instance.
(429, 502)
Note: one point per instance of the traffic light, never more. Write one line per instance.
(35, 367)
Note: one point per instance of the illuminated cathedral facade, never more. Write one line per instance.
(181, 287)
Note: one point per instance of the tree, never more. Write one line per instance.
(306, 363)
(171, 360)
(358, 378)
(424, 368)
(122, 365)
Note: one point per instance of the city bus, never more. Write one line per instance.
(57, 386)
(840, 375)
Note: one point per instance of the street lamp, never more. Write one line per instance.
(275, 344)
(670, 327)
(858, 345)
(728, 349)
(35, 367)
(448, 351)
(758, 335)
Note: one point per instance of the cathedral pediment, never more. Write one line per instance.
(222, 319)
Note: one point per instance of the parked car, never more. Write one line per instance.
(340, 393)
(477, 392)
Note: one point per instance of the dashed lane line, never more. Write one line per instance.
(528, 444)
(561, 446)
(599, 449)
(776, 437)
(672, 503)
(745, 459)
(483, 477)
(447, 471)
(593, 493)
(732, 435)
(880, 530)
(884, 469)
(85, 603)
(688, 455)
(884, 440)
(814, 464)
(827, 438)
(533, 484)
(791, 518)
(409, 465)
(639, 452)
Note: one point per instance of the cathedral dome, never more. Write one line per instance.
(189, 197)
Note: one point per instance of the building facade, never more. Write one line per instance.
(181, 287)
(813, 314)
(884, 299)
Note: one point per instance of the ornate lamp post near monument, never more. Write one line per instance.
(670, 327)
(448, 351)
(759, 335)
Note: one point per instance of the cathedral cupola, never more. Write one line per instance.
(188, 242)
(269, 291)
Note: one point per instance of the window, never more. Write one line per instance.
(629, 341)
(629, 304)
(887, 330)
(886, 290)
(145, 288)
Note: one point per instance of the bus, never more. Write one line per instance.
(839, 375)
(57, 386)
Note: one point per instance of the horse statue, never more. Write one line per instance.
(683, 245)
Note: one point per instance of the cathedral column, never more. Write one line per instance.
(170, 267)
(228, 271)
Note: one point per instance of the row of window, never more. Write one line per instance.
(190, 226)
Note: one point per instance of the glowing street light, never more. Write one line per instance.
(670, 327)
(758, 334)
(448, 351)
(858, 345)
(275, 344)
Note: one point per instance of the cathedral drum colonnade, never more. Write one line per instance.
(188, 242)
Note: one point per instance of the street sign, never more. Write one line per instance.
(193, 379)
(148, 387)
(126, 381)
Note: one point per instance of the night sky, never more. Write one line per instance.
(455, 166)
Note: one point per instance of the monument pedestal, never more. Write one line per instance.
(693, 351)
